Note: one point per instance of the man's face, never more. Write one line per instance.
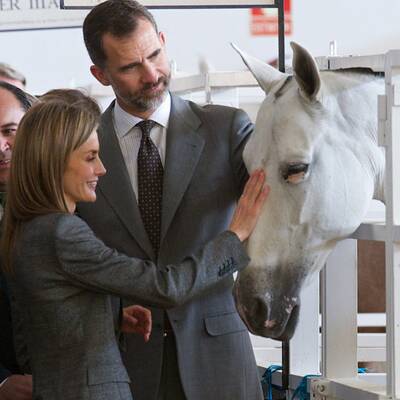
(11, 114)
(137, 68)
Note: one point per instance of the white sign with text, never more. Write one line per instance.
(18, 15)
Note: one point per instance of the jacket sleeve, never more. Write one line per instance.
(88, 262)
(241, 129)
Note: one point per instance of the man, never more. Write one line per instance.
(200, 350)
(10, 75)
(13, 384)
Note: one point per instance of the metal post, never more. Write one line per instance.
(392, 197)
(339, 312)
(281, 34)
(285, 365)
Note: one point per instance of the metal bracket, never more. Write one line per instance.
(382, 119)
(319, 389)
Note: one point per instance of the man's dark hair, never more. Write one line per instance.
(117, 17)
(26, 100)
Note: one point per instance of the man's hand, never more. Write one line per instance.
(17, 387)
(137, 319)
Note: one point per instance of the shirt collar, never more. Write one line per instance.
(124, 121)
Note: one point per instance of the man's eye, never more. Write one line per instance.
(155, 54)
(128, 68)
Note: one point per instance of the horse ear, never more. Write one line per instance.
(266, 76)
(306, 73)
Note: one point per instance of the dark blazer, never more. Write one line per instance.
(8, 362)
(203, 177)
(63, 275)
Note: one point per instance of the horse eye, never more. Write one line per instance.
(294, 173)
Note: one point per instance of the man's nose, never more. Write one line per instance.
(149, 73)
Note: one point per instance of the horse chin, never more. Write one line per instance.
(290, 327)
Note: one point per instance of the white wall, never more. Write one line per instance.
(57, 58)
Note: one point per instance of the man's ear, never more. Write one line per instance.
(99, 74)
(161, 36)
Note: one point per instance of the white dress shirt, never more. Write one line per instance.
(129, 135)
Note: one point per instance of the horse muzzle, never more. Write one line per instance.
(269, 316)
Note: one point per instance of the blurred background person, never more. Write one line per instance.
(14, 102)
(11, 75)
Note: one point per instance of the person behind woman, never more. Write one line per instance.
(62, 275)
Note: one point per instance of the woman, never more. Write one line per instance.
(61, 274)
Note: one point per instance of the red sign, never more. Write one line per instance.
(264, 21)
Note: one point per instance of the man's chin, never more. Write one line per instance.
(150, 102)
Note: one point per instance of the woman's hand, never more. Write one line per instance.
(250, 204)
(137, 319)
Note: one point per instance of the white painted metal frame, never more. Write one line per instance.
(176, 3)
(339, 312)
(340, 376)
(392, 194)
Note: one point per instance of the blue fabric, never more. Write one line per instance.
(300, 393)
(267, 380)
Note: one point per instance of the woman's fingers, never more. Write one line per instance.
(253, 187)
(250, 205)
(260, 199)
(255, 178)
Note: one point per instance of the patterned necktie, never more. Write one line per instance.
(150, 183)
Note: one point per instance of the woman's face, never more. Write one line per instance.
(82, 173)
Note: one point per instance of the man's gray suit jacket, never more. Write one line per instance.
(203, 177)
(62, 279)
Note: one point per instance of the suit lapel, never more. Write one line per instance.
(183, 150)
(116, 185)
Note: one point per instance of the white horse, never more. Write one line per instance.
(316, 136)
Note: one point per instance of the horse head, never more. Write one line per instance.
(316, 137)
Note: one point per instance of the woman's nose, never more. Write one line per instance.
(100, 170)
